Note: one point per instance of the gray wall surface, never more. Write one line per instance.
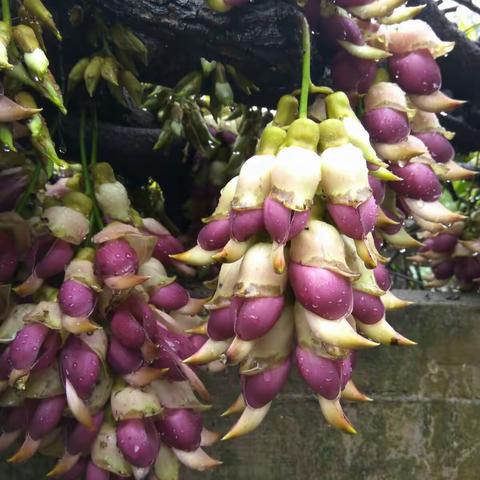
(424, 422)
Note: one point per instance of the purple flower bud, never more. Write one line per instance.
(48, 352)
(323, 292)
(443, 270)
(26, 346)
(245, 223)
(367, 308)
(340, 27)
(378, 189)
(80, 365)
(173, 346)
(18, 418)
(138, 440)
(254, 317)
(115, 258)
(96, 473)
(444, 243)
(321, 374)
(123, 360)
(386, 125)
(126, 329)
(282, 223)
(382, 277)
(467, 268)
(352, 74)
(38, 250)
(80, 439)
(75, 472)
(439, 147)
(392, 229)
(225, 135)
(214, 235)
(354, 222)
(198, 341)
(12, 184)
(170, 297)
(47, 416)
(181, 428)
(416, 72)
(8, 256)
(76, 299)
(418, 182)
(220, 324)
(261, 388)
(55, 260)
(166, 245)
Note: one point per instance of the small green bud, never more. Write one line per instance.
(287, 111)
(332, 133)
(78, 201)
(109, 70)
(93, 73)
(303, 133)
(76, 73)
(103, 173)
(271, 139)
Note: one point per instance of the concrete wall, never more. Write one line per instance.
(423, 424)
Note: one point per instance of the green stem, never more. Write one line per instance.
(83, 156)
(93, 156)
(306, 78)
(22, 203)
(96, 222)
(6, 15)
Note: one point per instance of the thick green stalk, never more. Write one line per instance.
(306, 78)
(6, 15)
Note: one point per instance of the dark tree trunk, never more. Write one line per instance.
(263, 41)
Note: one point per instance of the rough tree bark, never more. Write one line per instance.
(262, 40)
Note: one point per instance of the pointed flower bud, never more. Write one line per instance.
(438, 146)
(352, 74)
(354, 222)
(413, 35)
(180, 428)
(436, 102)
(416, 72)
(138, 440)
(376, 8)
(34, 57)
(261, 388)
(418, 181)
